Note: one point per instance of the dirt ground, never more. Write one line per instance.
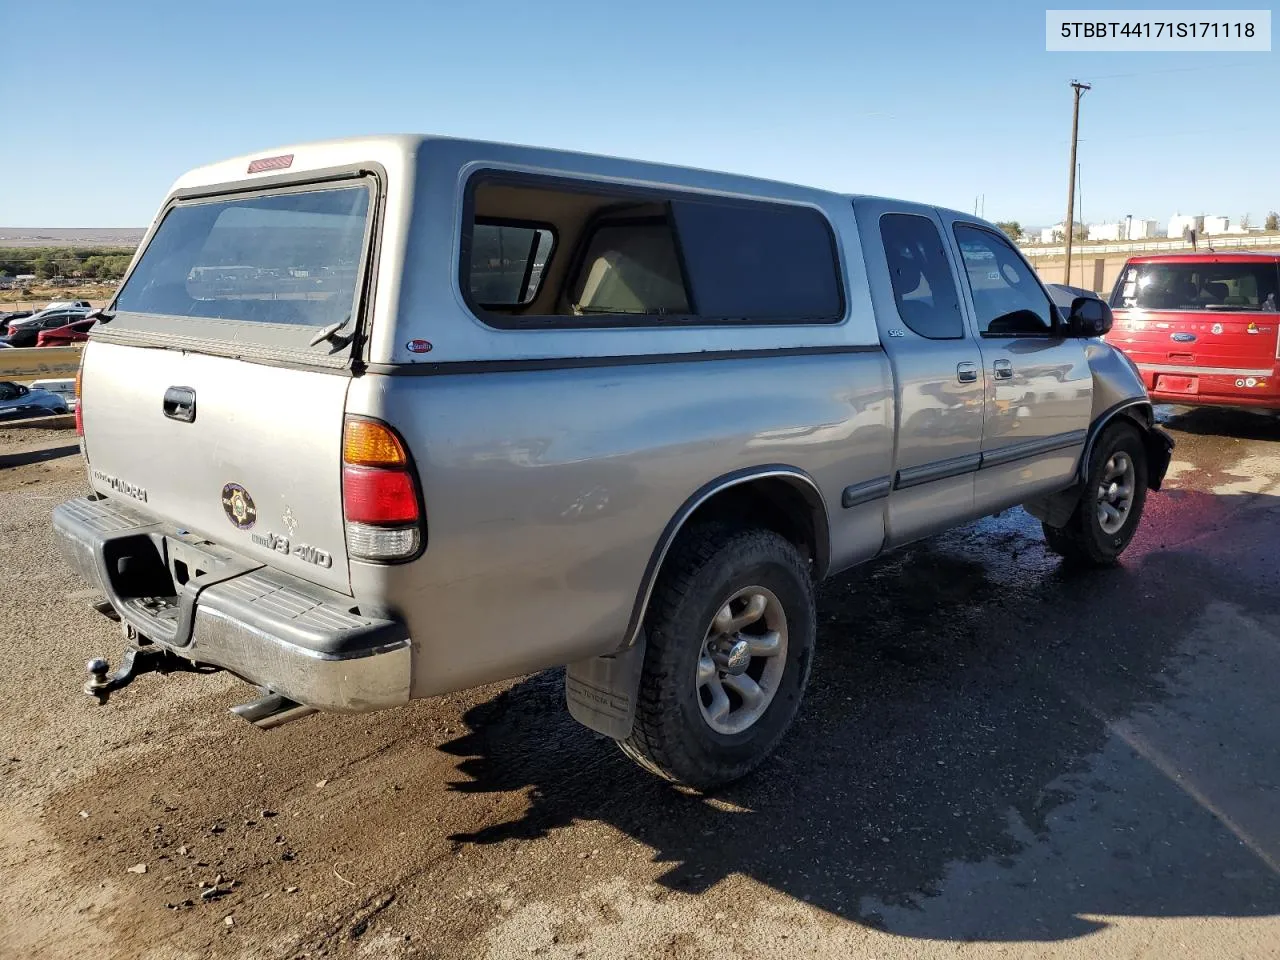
(997, 757)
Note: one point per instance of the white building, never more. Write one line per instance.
(1057, 233)
(1216, 225)
(1140, 229)
(1126, 229)
(1178, 223)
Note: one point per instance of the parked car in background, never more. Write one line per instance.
(18, 401)
(1064, 295)
(717, 392)
(8, 318)
(50, 317)
(64, 336)
(1202, 327)
(64, 387)
(65, 304)
(25, 332)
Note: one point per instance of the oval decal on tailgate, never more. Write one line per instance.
(238, 506)
(1184, 337)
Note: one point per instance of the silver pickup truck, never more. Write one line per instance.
(377, 419)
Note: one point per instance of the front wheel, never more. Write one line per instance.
(1110, 507)
(730, 636)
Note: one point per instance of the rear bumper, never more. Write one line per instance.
(1209, 386)
(274, 630)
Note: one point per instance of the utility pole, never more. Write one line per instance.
(1080, 213)
(1070, 224)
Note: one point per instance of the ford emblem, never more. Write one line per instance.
(1184, 337)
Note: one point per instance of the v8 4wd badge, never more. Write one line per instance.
(303, 551)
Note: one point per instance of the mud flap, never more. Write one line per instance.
(1055, 509)
(601, 691)
(1159, 455)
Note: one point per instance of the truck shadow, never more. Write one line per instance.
(24, 457)
(1221, 422)
(993, 747)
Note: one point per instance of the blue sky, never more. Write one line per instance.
(930, 100)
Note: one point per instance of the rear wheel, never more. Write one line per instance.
(1110, 507)
(730, 635)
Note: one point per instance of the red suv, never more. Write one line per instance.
(1202, 327)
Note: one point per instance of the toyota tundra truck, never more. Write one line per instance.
(378, 419)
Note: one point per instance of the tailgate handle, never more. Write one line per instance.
(180, 404)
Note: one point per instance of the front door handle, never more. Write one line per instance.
(180, 404)
(967, 372)
(1003, 369)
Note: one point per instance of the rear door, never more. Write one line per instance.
(936, 364)
(1039, 397)
(213, 396)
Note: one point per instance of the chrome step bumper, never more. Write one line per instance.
(288, 636)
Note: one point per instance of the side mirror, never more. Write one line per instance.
(1089, 317)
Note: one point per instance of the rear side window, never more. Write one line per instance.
(923, 287)
(1211, 287)
(285, 258)
(756, 261)
(624, 257)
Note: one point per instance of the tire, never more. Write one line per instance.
(1084, 540)
(710, 570)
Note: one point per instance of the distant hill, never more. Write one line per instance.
(71, 236)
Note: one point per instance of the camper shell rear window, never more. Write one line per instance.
(285, 258)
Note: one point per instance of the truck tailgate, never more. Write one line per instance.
(255, 464)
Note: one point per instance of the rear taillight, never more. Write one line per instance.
(79, 402)
(380, 498)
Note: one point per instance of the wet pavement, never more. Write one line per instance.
(997, 756)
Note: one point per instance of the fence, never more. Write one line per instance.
(39, 363)
(1087, 249)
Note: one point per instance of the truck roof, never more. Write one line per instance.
(398, 150)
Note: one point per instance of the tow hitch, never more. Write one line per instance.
(138, 659)
(142, 656)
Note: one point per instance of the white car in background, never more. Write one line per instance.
(64, 387)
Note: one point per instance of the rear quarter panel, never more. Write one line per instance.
(547, 491)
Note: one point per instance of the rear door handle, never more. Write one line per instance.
(1003, 369)
(180, 404)
(967, 372)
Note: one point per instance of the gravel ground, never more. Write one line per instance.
(996, 757)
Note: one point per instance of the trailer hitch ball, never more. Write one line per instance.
(97, 669)
(100, 683)
(144, 658)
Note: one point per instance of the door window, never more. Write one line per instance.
(1007, 299)
(923, 286)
